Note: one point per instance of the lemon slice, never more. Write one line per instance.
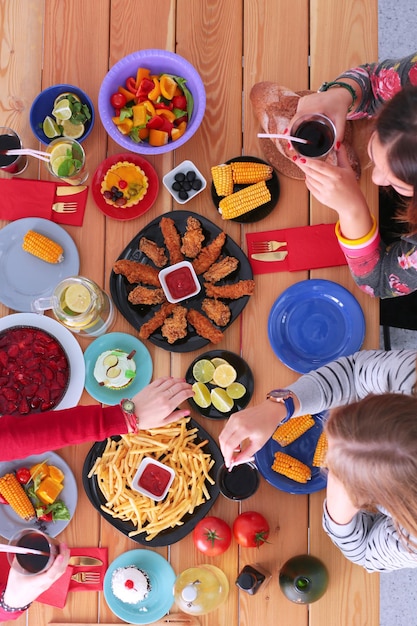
(203, 371)
(75, 131)
(61, 149)
(221, 400)
(64, 96)
(50, 127)
(62, 111)
(218, 361)
(201, 395)
(224, 375)
(77, 298)
(236, 391)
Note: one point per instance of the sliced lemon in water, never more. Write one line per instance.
(236, 391)
(62, 110)
(203, 371)
(224, 375)
(50, 127)
(77, 298)
(75, 131)
(221, 400)
(201, 395)
(57, 163)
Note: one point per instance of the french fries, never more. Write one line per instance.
(175, 446)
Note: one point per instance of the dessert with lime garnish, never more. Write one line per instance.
(115, 369)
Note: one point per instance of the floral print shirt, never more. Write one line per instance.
(384, 271)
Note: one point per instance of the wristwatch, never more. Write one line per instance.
(284, 396)
(128, 409)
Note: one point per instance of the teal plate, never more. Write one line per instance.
(125, 342)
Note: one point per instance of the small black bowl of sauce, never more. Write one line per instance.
(240, 483)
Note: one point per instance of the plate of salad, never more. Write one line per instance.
(31, 471)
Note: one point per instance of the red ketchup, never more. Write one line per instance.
(180, 283)
(154, 479)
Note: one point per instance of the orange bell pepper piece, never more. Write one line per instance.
(166, 113)
(168, 86)
(158, 137)
(143, 133)
(125, 126)
(178, 131)
(156, 91)
(142, 72)
(149, 106)
(128, 94)
(139, 114)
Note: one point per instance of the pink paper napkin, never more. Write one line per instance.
(309, 247)
(34, 198)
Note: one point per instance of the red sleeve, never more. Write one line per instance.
(37, 433)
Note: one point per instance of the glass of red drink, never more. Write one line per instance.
(31, 564)
(10, 140)
(320, 133)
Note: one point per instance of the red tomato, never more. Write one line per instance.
(180, 102)
(118, 100)
(212, 536)
(44, 517)
(23, 475)
(250, 529)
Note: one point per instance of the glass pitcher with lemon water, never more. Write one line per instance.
(80, 305)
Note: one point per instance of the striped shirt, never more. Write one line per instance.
(370, 539)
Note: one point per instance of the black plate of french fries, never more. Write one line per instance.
(187, 448)
(139, 314)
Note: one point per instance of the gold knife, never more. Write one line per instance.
(270, 256)
(84, 560)
(68, 190)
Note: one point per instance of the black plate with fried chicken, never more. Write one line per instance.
(222, 269)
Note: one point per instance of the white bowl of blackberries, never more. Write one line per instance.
(184, 182)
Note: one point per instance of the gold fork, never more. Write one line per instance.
(86, 577)
(267, 246)
(64, 207)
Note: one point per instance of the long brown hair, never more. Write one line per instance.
(396, 126)
(373, 452)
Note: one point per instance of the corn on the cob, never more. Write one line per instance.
(319, 458)
(245, 200)
(42, 247)
(291, 467)
(246, 172)
(16, 496)
(291, 430)
(222, 179)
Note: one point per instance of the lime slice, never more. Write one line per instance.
(74, 131)
(62, 111)
(203, 370)
(62, 166)
(236, 391)
(201, 395)
(77, 298)
(224, 375)
(218, 361)
(50, 128)
(64, 96)
(221, 400)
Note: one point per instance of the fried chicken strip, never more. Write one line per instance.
(221, 269)
(156, 321)
(193, 238)
(172, 239)
(217, 311)
(230, 292)
(137, 272)
(209, 254)
(175, 326)
(144, 295)
(204, 327)
(153, 252)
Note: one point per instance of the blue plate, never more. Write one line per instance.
(161, 596)
(125, 342)
(314, 322)
(302, 449)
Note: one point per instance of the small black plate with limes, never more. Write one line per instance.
(223, 384)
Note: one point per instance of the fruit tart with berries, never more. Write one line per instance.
(124, 185)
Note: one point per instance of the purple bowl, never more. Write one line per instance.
(158, 61)
(43, 105)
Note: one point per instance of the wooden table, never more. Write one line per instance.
(233, 44)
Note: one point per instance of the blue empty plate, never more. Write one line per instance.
(314, 322)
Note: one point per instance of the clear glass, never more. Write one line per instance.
(319, 132)
(92, 312)
(32, 564)
(10, 140)
(67, 161)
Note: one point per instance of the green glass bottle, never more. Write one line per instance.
(303, 579)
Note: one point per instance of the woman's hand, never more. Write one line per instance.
(249, 430)
(333, 103)
(22, 589)
(157, 404)
(338, 503)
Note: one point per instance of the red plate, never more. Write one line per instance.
(140, 207)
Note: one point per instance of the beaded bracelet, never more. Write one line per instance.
(326, 86)
(11, 609)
